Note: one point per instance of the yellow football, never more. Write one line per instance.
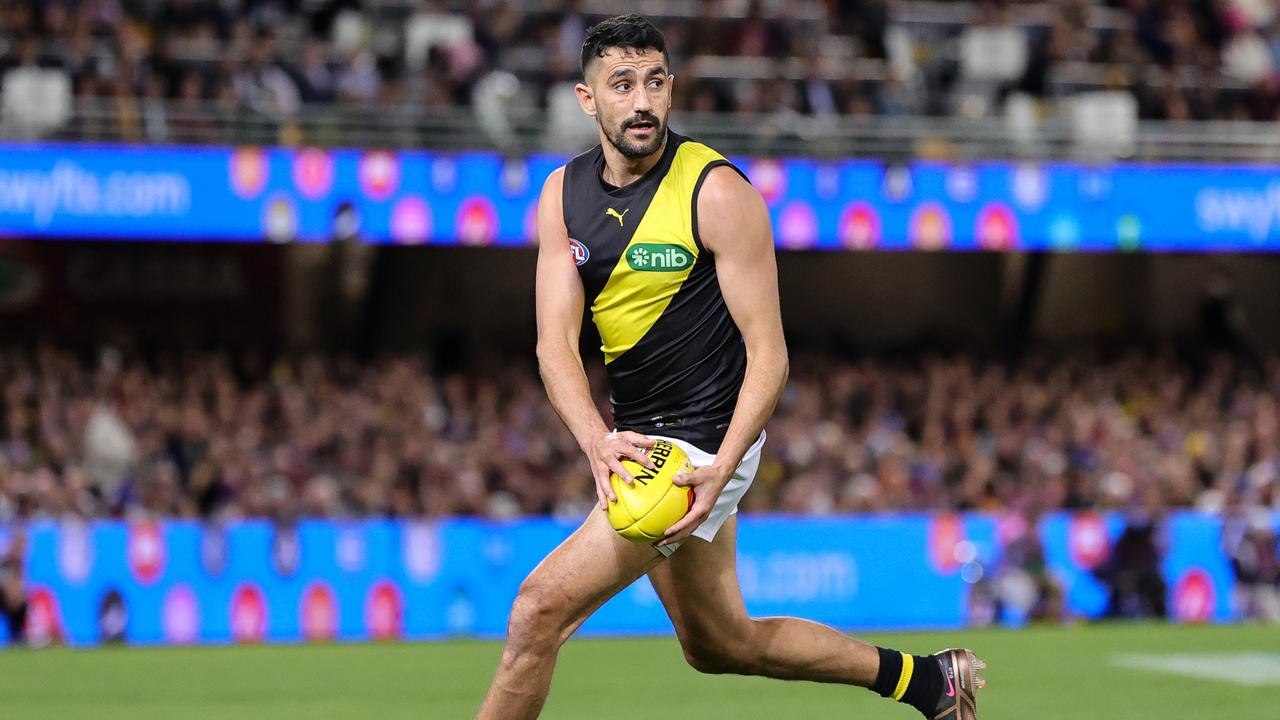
(650, 505)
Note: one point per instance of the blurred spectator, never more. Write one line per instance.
(432, 26)
(263, 84)
(358, 81)
(1175, 61)
(815, 93)
(224, 436)
(318, 84)
(757, 37)
(1025, 584)
(1133, 572)
(991, 48)
(1222, 319)
(1257, 570)
(1247, 56)
(191, 121)
(34, 97)
(13, 602)
(155, 113)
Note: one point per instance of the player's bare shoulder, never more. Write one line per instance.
(731, 212)
(554, 181)
(551, 227)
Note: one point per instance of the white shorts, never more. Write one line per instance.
(727, 503)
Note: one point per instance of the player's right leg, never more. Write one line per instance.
(588, 568)
(699, 588)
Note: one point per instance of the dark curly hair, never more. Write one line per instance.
(624, 31)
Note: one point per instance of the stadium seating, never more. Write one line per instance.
(215, 436)
(199, 71)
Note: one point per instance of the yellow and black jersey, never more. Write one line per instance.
(674, 356)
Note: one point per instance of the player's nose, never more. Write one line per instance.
(641, 102)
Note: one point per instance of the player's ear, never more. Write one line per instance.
(586, 98)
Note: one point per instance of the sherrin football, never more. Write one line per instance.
(650, 505)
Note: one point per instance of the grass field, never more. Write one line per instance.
(1085, 673)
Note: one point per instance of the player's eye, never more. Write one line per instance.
(623, 87)
(655, 84)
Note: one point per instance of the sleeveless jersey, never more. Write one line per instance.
(674, 357)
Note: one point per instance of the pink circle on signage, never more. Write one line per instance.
(930, 227)
(180, 615)
(384, 611)
(248, 614)
(411, 221)
(319, 612)
(769, 177)
(1194, 597)
(997, 228)
(477, 221)
(146, 551)
(379, 174)
(313, 173)
(248, 171)
(860, 227)
(797, 226)
(1088, 541)
(44, 616)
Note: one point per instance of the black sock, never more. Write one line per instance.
(923, 685)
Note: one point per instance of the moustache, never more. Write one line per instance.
(644, 118)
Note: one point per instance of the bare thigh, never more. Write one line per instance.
(699, 588)
(589, 567)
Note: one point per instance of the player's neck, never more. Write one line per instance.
(620, 170)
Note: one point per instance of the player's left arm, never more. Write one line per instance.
(734, 225)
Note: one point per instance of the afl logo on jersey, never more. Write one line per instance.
(580, 252)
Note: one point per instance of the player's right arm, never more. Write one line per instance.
(559, 300)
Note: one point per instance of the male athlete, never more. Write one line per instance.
(672, 248)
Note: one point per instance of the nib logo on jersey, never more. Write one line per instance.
(658, 257)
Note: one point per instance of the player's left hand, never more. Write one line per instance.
(706, 483)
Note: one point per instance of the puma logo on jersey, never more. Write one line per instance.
(614, 213)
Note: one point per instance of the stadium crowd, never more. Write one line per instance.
(1180, 59)
(222, 437)
(210, 435)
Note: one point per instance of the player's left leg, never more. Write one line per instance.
(698, 586)
(587, 569)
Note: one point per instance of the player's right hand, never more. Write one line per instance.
(606, 455)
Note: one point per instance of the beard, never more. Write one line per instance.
(632, 149)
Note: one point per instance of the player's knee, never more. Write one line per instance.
(537, 616)
(716, 657)
(704, 662)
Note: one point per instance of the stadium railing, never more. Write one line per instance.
(778, 134)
